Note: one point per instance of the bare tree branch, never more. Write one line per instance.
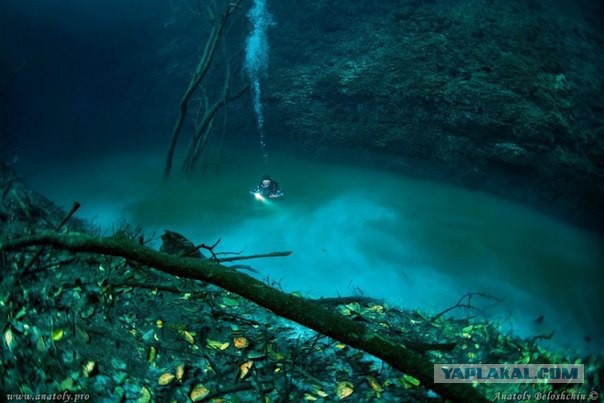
(200, 72)
(467, 305)
(261, 256)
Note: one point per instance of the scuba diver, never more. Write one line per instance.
(268, 189)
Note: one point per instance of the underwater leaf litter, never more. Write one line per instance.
(120, 331)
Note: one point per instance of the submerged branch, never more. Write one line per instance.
(235, 258)
(465, 301)
(34, 259)
(200, 73)
(300, 310)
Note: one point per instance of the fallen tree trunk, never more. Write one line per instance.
(300, 310)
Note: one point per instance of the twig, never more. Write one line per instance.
(449, 309)
(542, 337)
(158, 287)
(211, 248)
(229, 253)
(203, 246)
(272, 254)
(238, 317)
(33, 260)
(309, 376)
(51, 264)
(70, 214)
(467, 305)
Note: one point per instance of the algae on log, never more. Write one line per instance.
(300, 310)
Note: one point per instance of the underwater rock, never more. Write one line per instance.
(466, 93)
(174, 243)
(511, 154)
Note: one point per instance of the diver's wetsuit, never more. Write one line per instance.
(271, 191)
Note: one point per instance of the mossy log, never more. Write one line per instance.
(303, 311)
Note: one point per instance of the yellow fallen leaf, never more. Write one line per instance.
(88, 368)
(188, 336)
(321, 393)
(180, 371)
(375, 385)
(377, 308)
(309, 397)
(344, 389)
(240, 342)
(9, 339)
(152, 354)
(218, 345)
(245, 368)
(57, 334)
(340, 345)
(199, 392)
(165, 379)
(410, 381)
(145, 396)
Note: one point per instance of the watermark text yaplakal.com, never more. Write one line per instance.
(52, 397)
(509, 373)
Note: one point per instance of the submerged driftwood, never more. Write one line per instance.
(300, 310)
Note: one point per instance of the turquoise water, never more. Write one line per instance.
(417, 244)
